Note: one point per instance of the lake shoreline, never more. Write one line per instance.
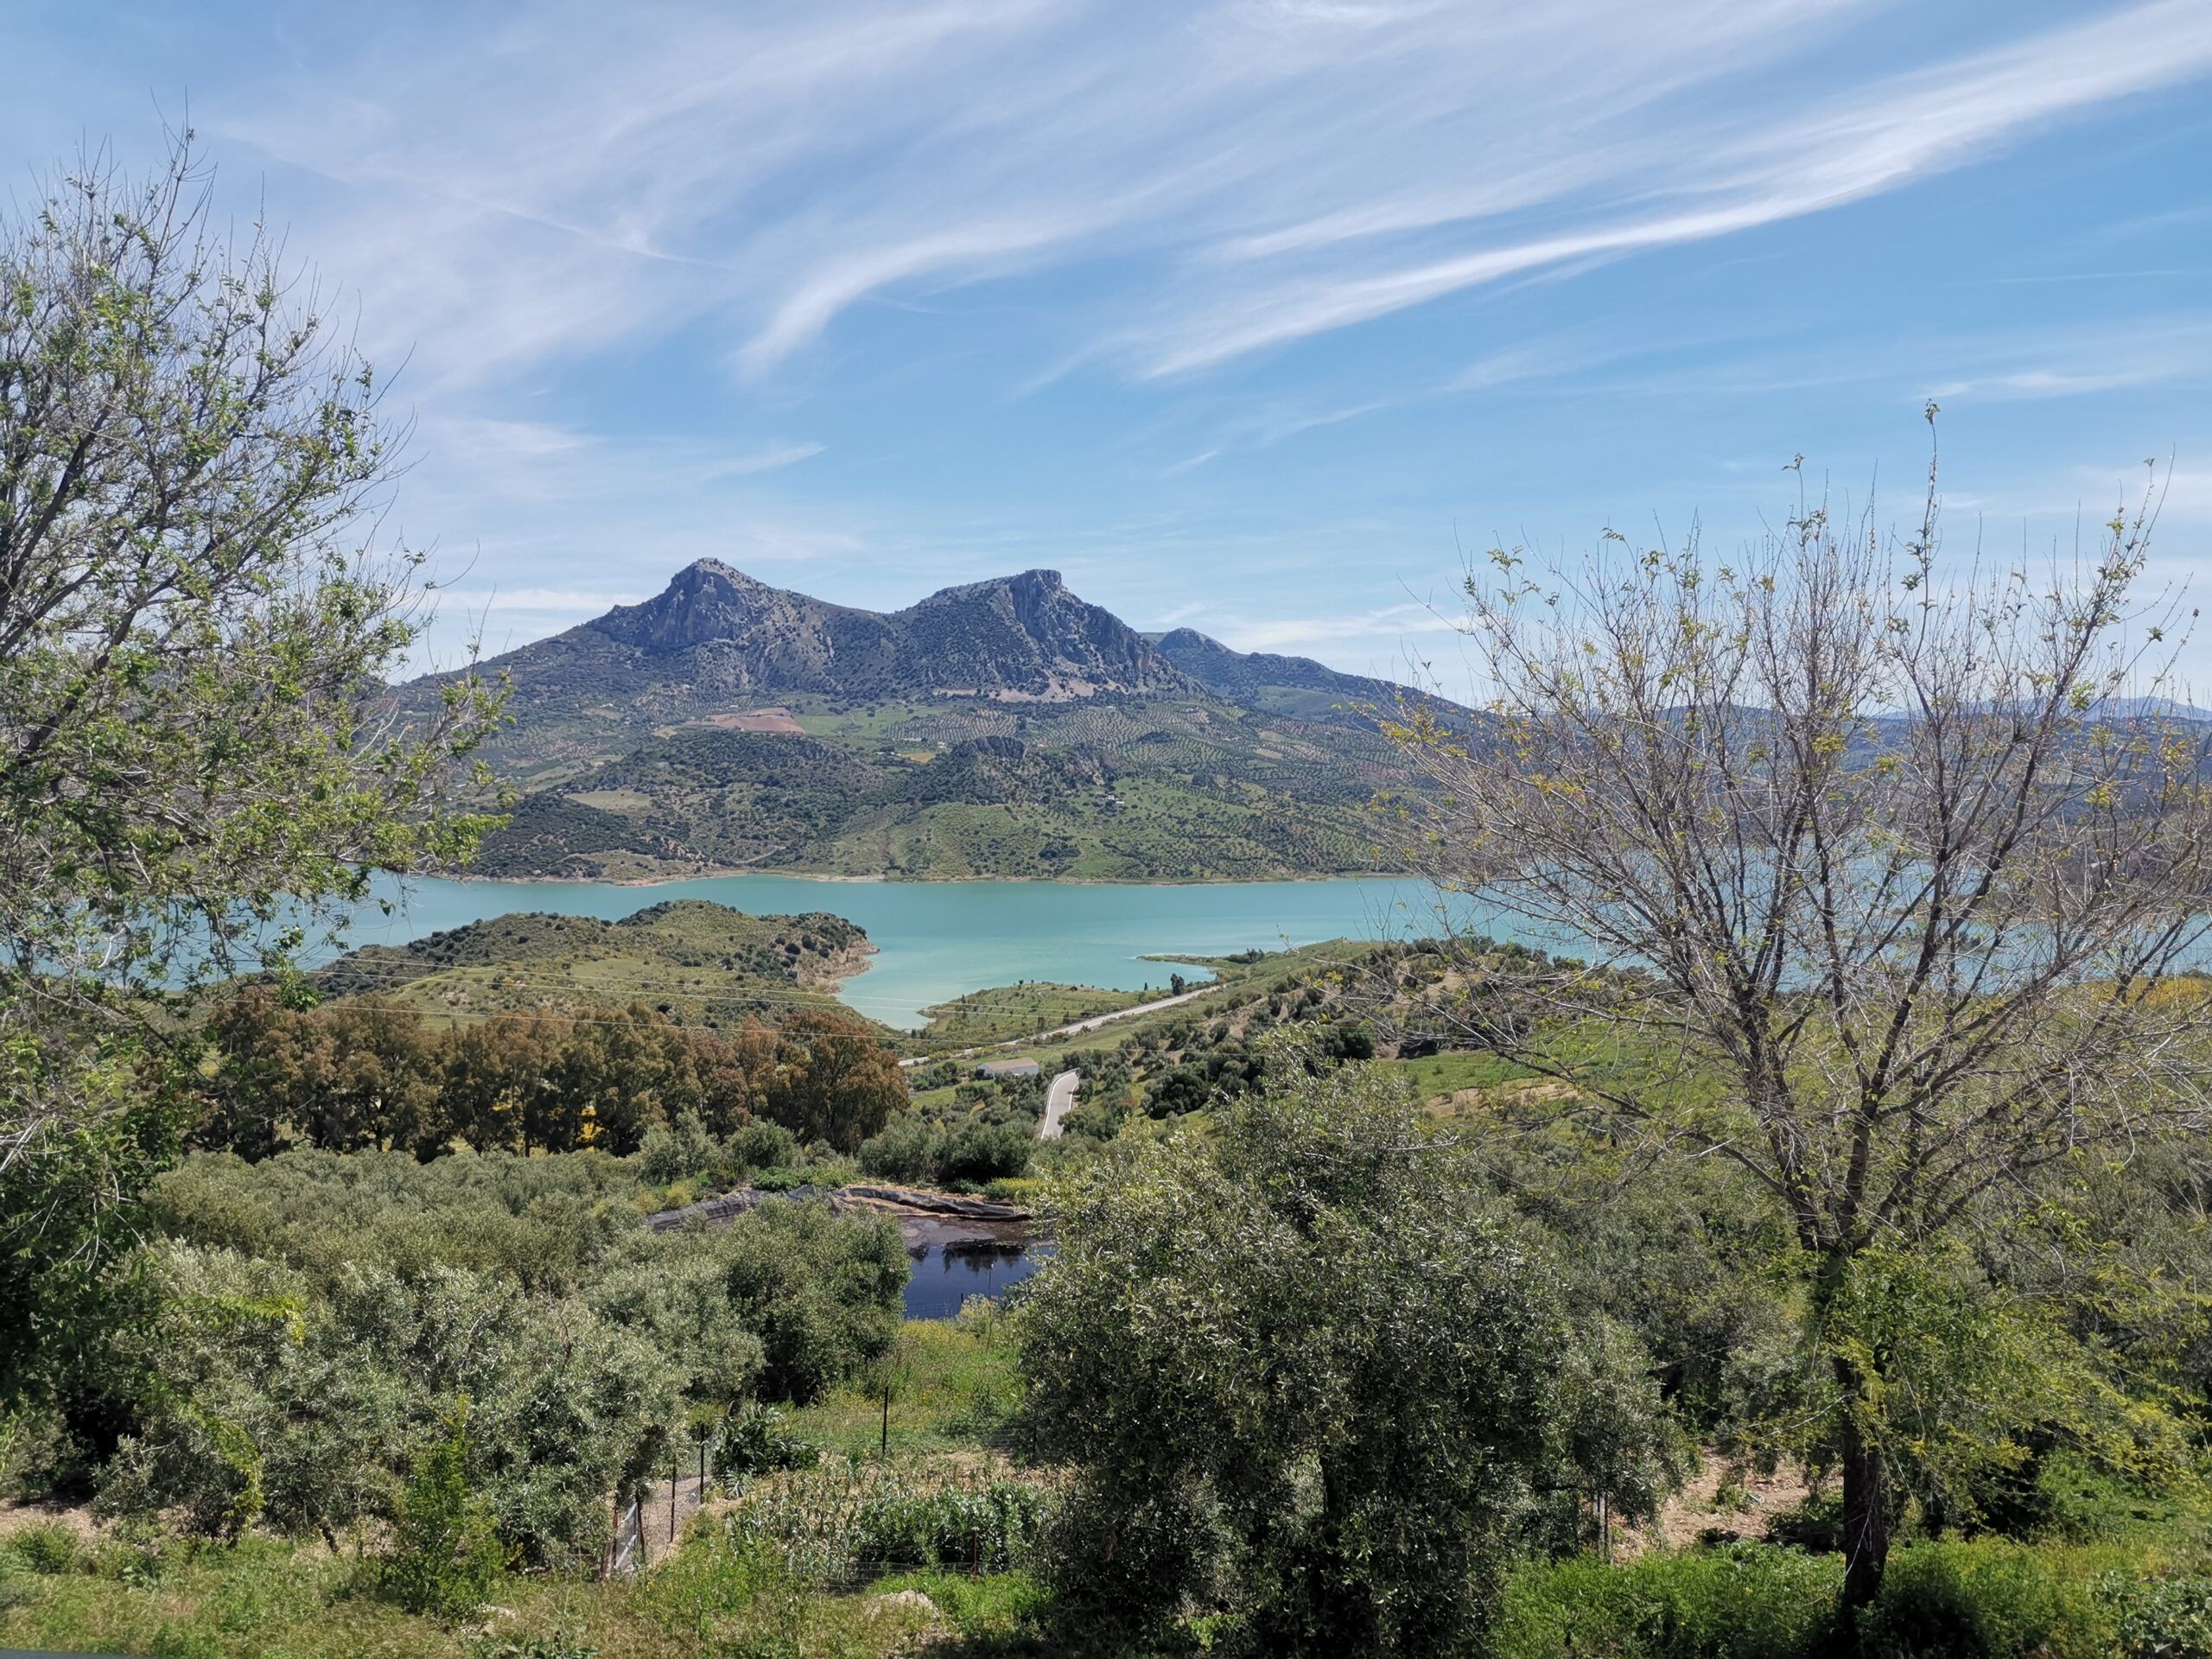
(937, 941)
(833, 879)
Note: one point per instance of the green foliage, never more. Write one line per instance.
(673, 1152)
(971, 1154)
(557, 1644)
(1988, 1599)
(66, 1272)
(1299, 1371)
(306, 1340)
(1984, 1599)
(1742, 1602)
(843, 1521)
(446, 1552)
(2158, 1618)
(758, 1441)
(370, 1074)
(985, 1529)
(198, 764)
(1956, 1380)
(48, 1549)
(823, 1292)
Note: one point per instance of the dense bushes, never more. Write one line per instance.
(367, 1074)
(1744, 1602)
(840, 1522)
(1302, 1370)
(310, 1325)
(1987, 1599)
(915, 1151)
(445, 1554)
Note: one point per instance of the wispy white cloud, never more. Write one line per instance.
(535, 602)
(1872, 140)
(1334, 635)
(769, 459)
(1230, 176)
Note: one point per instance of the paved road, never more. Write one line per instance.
(1057, 1102)
(1080, 1025)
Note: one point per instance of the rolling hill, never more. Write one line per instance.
(700, 963)
(1004, 728)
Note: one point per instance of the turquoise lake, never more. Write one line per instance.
(937, 940)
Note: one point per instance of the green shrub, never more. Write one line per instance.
(983, 1528)
(175, 1641)
(992, 1608)
(131, 1554)
(759, 1441)
(447, 1552)
(1815, 1524)
(559, 1644)
(48, 1548)
(1989, 1598)
(763, 1145)
(1744, 1601)
(2158, 1618)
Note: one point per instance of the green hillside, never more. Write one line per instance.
(1104, 789)
(1002, 729)
(697, 962)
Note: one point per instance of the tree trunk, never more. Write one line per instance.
(1866, 1522)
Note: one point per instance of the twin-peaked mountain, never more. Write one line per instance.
(1023, 636)
(1000, 727)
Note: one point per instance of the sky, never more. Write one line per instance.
(1260, 317)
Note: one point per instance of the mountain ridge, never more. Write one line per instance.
(1022, 636)
(1000, 727)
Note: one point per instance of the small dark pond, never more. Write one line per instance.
(952, 1261)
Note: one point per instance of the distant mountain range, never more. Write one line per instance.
(1000, 727)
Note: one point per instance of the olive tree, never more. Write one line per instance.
(1866, 874)
(1303, 1373)
(197, 756)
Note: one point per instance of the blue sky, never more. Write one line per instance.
(1257, 317)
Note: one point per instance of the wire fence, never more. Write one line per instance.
(843, 1516)
(649, 1519)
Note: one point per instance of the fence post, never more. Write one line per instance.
(674, 1469)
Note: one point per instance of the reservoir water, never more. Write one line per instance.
(937, 940)
(939, 1280)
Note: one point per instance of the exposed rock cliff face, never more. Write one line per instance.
(1024, 636)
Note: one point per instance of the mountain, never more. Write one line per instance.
(717, 641)
(1297, 685)
(1005, 728)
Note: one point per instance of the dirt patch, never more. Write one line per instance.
(1723, 1498)
(78, 1517)
(756, 720)
(1527, 1091)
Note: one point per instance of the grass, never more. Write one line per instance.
(1007, 1013)
(696, 960)
(1235, 982)
(955, 1390)
(1439, 1077)
(260, 1599)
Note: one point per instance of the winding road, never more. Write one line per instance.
(1058, 1100)
(1080, 1025)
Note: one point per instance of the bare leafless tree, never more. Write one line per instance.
(1877, 840)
